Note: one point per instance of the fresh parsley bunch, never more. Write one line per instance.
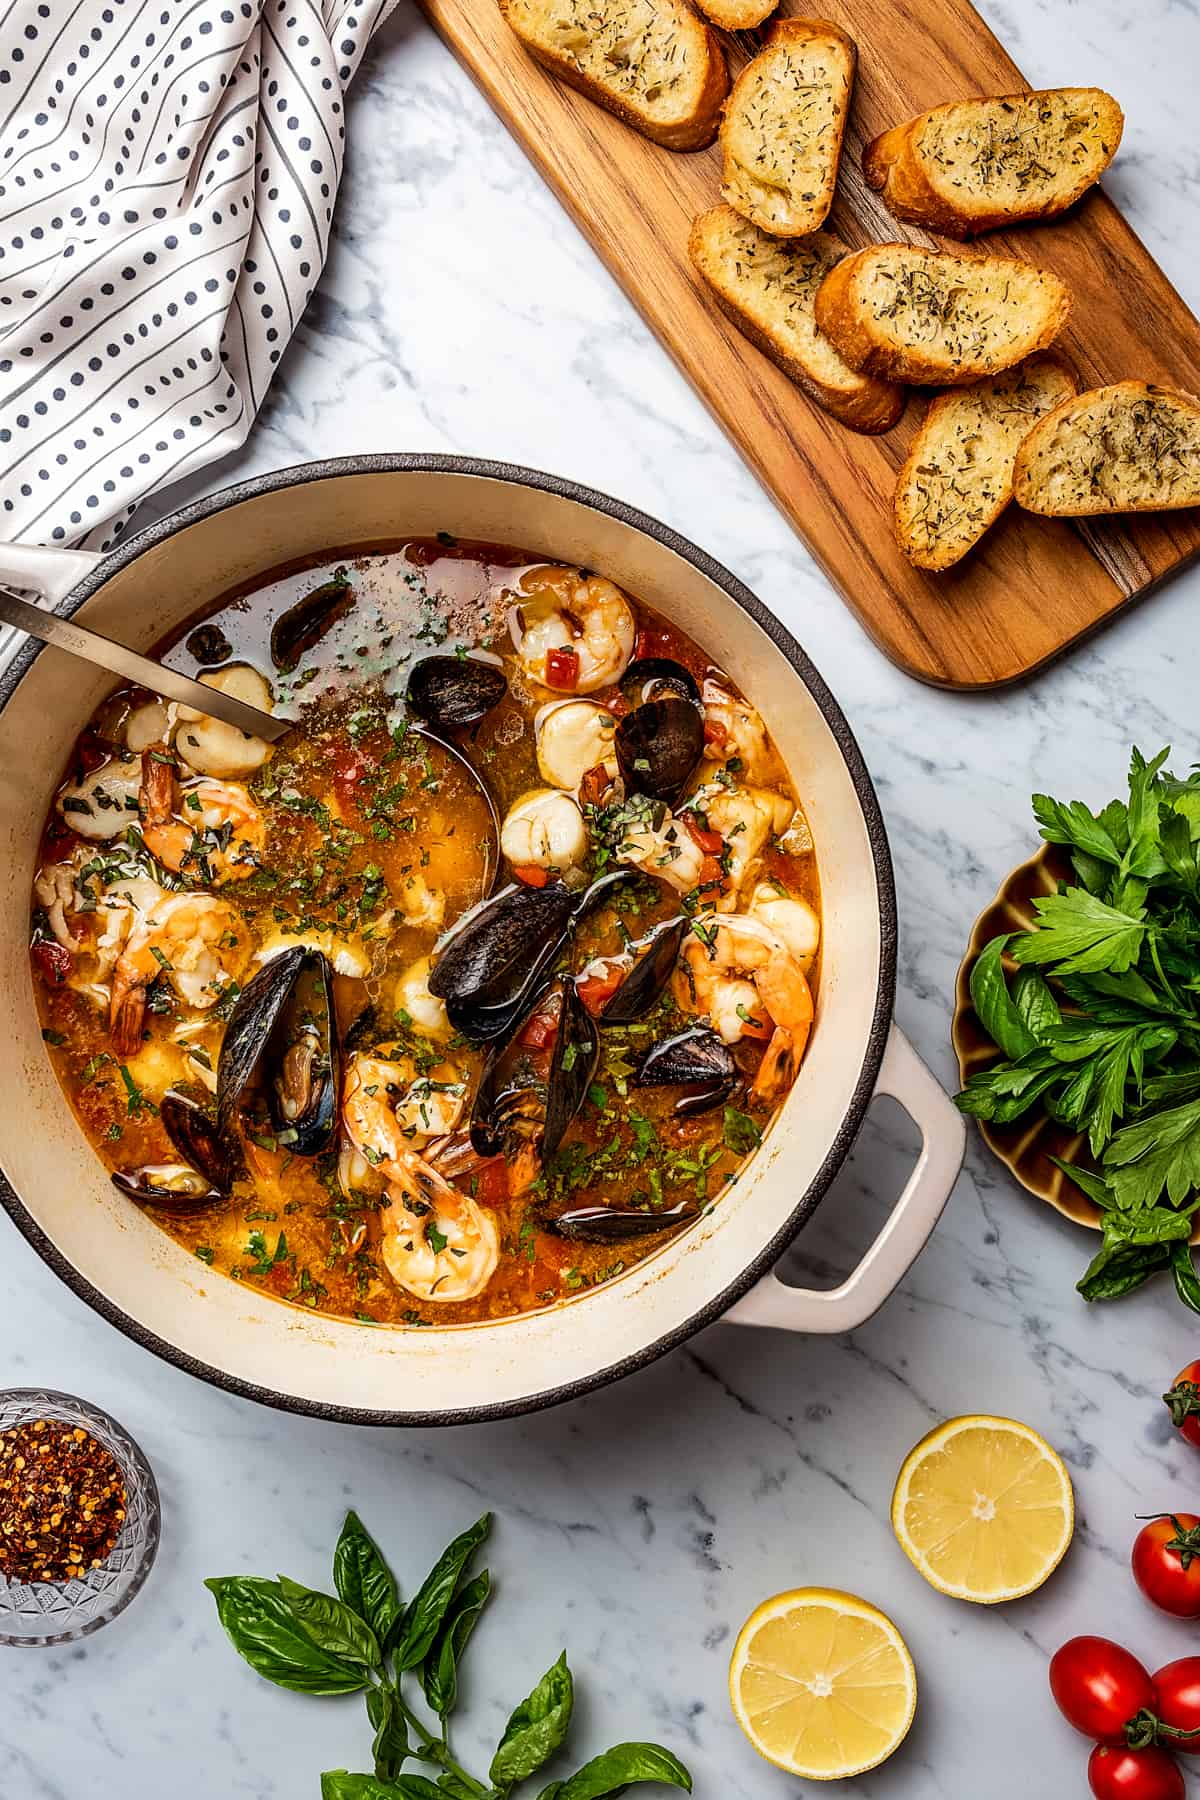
(366, 1640)
(1101, 1025)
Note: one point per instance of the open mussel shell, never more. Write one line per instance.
(653, 677)
(282, 1039)
(201, 1140)
(450, 692)
(658, 747)
(647, 978)
(695, 1060)
(305, 623)
(521, 1101)
(172, 1187)
(572, 1067)
(615, 1225)
(490, 966)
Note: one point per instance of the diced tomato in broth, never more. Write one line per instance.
(562, 669)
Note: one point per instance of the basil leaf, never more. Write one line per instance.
(618, 1768)
(363, 1579)
(330, 1624)
(1035, 1003)
(339, 1784)
(994, 1004)
(417, 1787)
(265, 1632)
(1118, 1269)
(391, 1732)
(551, 1791)
(535, 1729)
(424, 1613)
(1187, 1283)
(439, 1672)
(452, 1784)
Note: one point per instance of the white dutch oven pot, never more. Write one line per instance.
(135, 1276)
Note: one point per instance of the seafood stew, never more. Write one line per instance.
(471, 992)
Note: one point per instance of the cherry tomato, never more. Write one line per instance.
(529, 875)
(1177, 1700)
(541, 1028)
(53, 960)
(1183, 1402)
(1166, 1563)
(715, 733)
(1119, 1774)
(594, 786)
(711, 842)
(652, 643)
(562, 669)
(712, 875)
(491, 1181)
(1098, 1686)
(595, 990)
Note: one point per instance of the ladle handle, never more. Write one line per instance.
(905, 1078)
(48, 574)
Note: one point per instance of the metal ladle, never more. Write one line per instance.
(77, 640)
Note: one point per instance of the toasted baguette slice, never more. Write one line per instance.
(737, 15)
(766, 286)
(957, 477)
(651, 62)
(978, 164)
(1126, 448)
(931, 316)
(784, 122)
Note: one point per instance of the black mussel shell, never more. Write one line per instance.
(658, 747)
(365, 1030)
(572, 1067)
(614, 1225)
(695, 1059)
(652, 677)
(493, 961)
(140, 1186)
(201, 1140)
(282, 1035)
(306, 623)
(648, 976)
(209, 645)
(449, 692)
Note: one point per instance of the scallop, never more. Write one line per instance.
(791, 919)
(413, 998)
(544, 829)
(211, 747)
(105, 802)
(574, 736)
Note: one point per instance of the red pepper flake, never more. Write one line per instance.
(62, 1501)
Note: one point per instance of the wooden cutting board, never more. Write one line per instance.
(1034, 586)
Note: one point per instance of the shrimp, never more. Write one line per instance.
(54, 887)
(192, 939)
(789, 918)
(573, 737)
(746, 818)
(210, 827)
(733, 968)
(734, 728)
(544, 829)
(586, 620)
(437, 1242)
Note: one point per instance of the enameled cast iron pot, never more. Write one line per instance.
(136, 1277)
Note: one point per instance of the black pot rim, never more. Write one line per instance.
(764, 1261)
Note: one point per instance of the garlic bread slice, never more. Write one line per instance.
(1131, 447)
(767, 286)
(653, 63)
(975, 165)
(957, 478)
(933, 316)
(784, 123)
(737, 15)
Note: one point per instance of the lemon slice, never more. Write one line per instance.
(822, 1684)
(983, 1508)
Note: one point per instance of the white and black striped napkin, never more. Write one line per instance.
(168, 170)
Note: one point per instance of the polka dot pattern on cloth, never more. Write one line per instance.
(168, 171)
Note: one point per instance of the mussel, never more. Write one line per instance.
(173, 1187)
(660, 742)
(306, 622)
(449, 692)
(614, 1225)
(282, 1038)
(210, 1147)
(491, 964)
(695, 1060)
(648, 976)
(518, 1105)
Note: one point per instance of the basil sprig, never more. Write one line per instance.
(364, 1640)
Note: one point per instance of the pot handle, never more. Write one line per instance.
(47, 575)
(903, 1077)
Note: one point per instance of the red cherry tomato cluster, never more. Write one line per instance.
(1136, 1719)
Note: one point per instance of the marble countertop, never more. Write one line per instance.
(461, 311)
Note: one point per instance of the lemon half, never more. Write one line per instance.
(983, 1507)
(822, 1683)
